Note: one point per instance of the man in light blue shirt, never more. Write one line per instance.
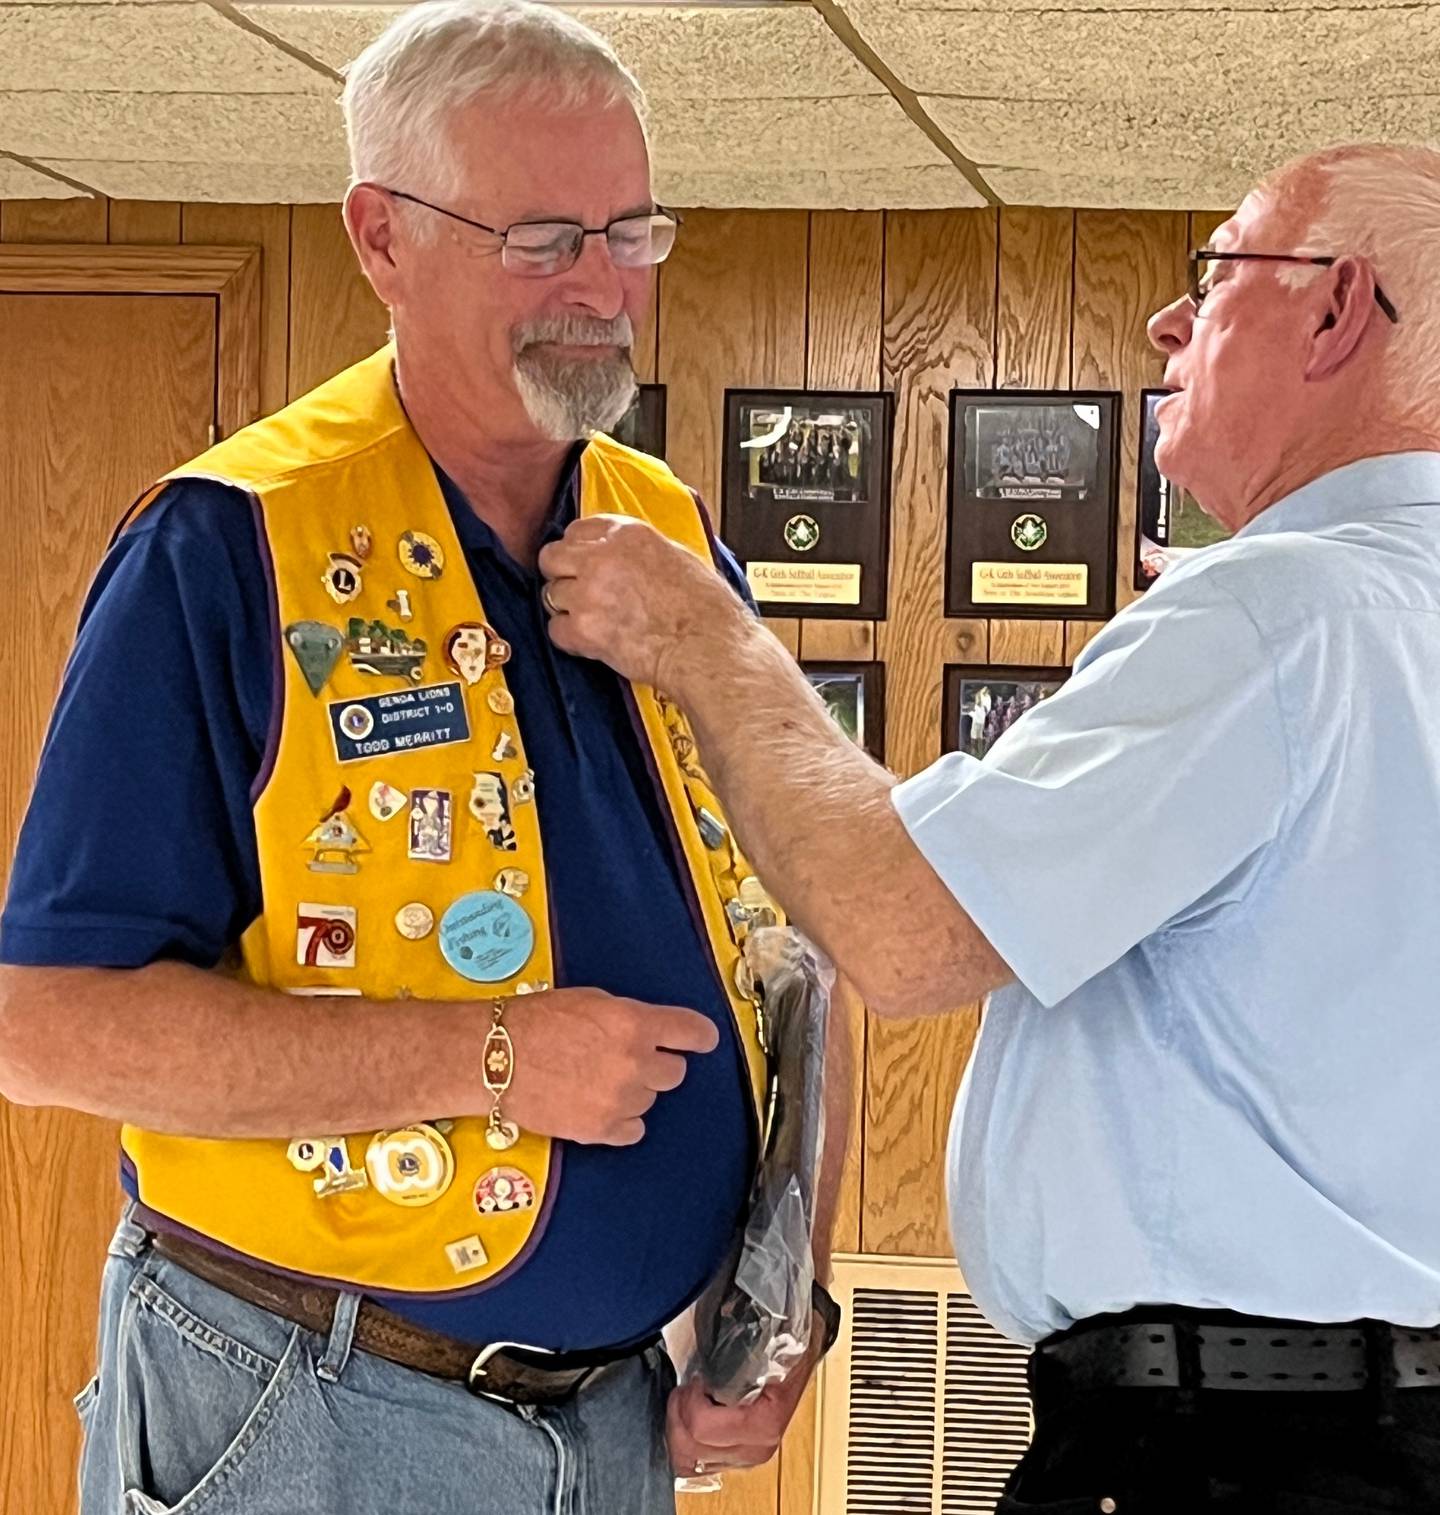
(1214, 1081)
(1195, 1155)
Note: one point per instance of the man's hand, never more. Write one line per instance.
(621, 593)
(588, 1065)
(705, 1436)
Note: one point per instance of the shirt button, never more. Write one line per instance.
(1107, 1507)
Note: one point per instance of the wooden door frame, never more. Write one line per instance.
(231, 275)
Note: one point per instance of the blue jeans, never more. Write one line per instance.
(204, 1403)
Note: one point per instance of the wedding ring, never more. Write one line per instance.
(699, 1470)
(550, 606)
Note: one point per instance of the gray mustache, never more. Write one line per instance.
(575, 331)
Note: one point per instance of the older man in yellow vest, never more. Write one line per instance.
(476, 1104)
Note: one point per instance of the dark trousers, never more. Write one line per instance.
(1254, 1452)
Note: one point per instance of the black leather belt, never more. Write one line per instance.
(1246, 1353)
(506, 1371)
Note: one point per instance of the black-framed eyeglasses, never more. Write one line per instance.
(1204, 259)
(537, 249)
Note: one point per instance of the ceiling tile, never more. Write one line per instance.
(677, 51)
(939, 186)
(1098, 54)
(332, 33)
(1160, 8)
(762, 137)
(151, 48)
(224, 183)
(18, 181)
(1189, 143)
(188, 128)
(1070, 186)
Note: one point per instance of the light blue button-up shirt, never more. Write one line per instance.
(1213, 862)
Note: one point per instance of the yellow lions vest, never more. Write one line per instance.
(399, 843)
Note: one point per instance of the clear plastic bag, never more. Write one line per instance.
(753, 1322)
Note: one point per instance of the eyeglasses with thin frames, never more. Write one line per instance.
(1202, 268)
(538, 249)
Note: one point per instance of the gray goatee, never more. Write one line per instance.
(568, 398)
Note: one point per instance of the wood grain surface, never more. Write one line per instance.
(63, 487)
(335, 318)
(79, 220)
(266, 227)
(732, 315)
(1128, 264)
(146, 221)
(939, 335)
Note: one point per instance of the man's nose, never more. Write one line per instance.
(1169, 329)
(593, 281)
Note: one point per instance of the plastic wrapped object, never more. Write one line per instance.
(753, 1322)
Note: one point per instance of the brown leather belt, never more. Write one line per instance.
(505, 1371)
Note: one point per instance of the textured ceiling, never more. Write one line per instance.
(827, 103)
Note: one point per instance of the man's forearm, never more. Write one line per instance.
(813, 813)
(180, 1050)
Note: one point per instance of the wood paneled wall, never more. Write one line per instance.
(915, 301)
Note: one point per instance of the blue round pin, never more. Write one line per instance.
(486, 936)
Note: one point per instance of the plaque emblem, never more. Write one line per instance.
(1029, 532)
(802, 533)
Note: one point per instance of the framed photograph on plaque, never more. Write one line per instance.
(807, 499)
(981, 704)
(1171, 522)
(1034, 479)
(643, 425)
(854, 694)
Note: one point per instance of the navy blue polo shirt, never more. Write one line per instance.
(140, 845)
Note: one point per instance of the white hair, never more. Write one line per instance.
(402, 92)
(1383, 203)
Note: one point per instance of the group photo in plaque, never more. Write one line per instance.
(806, 499)
(854, 694)
(1032, 510)
(982, 704)
(1171, 523)
(1045, 453)
(643, 425)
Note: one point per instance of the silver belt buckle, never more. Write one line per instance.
(477, 1368)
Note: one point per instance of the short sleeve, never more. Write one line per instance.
(139, 842)
(1144, 792)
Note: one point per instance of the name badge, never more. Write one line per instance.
(407, 720)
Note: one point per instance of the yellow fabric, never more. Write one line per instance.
(344, 457)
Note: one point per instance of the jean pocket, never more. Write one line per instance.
(84, 1401)
(205, 1401)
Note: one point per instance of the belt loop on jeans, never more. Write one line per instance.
(1187, 1363)
(342, 1335)
(130, 1238)
(1380, 1360)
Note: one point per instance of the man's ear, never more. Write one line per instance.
(1350, 307)
(370, 221)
